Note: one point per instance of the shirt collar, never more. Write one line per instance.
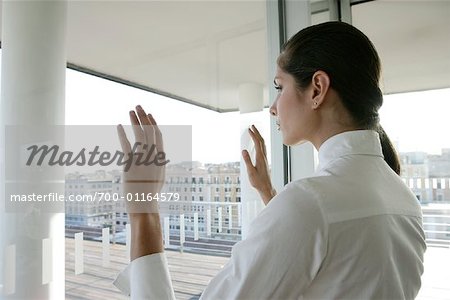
(362, 142)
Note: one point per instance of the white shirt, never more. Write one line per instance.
(352, 231)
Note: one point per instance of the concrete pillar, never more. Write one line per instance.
(33, 84)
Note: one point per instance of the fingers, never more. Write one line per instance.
(261, 139)
(143, 118)
(158, 138)
(124, 143)
(248, 161)
(137, 129)
(146, 125)
(258, 140)
(145, 129)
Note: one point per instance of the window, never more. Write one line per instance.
(218, 157)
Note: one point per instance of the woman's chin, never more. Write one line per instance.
(293, 142)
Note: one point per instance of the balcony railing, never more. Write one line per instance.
(434, 196)
(436, 224)
(212, 228)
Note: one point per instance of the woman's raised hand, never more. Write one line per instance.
(143, 179)
(258, 173)
(144, 172)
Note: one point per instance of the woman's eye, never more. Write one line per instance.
(278, 88)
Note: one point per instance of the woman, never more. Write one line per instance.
(352, 231)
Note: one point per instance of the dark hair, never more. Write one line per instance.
(352, 63)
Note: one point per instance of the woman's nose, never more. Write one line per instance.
(273, 110)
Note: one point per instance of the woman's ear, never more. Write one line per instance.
(320, 84)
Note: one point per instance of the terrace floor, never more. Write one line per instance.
(191, 273)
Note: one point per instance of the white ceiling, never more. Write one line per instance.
(412, 39)
(201, 51)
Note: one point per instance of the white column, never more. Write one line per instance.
(219, 218)
(251, 202)
(239, 214)
(182, 232)
(79, 253)
(105, 247)
(195, 226)
(166, 232)
(47, 261)
(9, 270)
(33, 83)
(230, 217)
(128, 240)
(208, 222)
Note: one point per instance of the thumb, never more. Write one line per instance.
(247, 160)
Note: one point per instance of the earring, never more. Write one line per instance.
(315, 103)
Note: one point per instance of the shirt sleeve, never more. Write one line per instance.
(282, 254)
(146, 277)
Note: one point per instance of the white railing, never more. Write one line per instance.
(436, 224)
(214, 227)
(434, 195)
(195, 226)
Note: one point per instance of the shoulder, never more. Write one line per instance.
(294, 212)
(300, 200)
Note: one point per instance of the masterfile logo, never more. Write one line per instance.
(37, 160)
(95, 157)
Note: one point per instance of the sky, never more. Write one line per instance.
(215, 136)
(418, 121)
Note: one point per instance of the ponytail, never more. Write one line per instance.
(352, 62)
(389, 152)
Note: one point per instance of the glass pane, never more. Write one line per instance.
(413, 41)
(208, 216)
